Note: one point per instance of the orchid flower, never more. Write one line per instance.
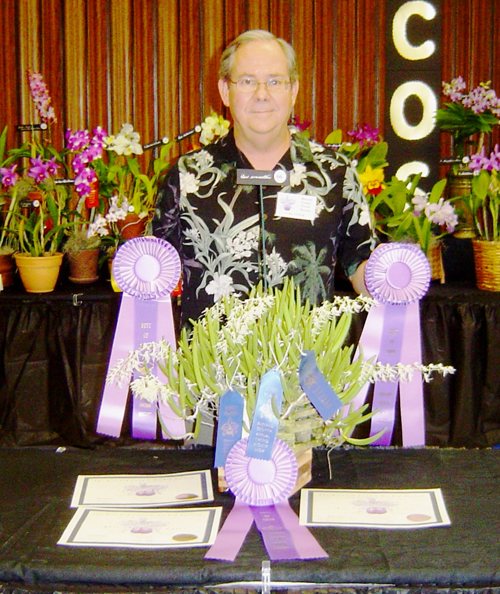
(9, 177)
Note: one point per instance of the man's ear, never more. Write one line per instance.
(224, 91)
(295, 90)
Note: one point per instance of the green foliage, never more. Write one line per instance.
(236, 342)
(486, 204)
(461, 122)
(395, 215)
(43, 230)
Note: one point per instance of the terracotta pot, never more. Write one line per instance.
(39, 274)
(132, 226)
(83, 266)
(7, 270)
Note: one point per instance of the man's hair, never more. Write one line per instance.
(227, 58)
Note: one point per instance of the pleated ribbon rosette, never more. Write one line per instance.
(147, 270)
(261, 489)
(397, 275)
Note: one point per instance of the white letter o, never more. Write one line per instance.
(429, 103)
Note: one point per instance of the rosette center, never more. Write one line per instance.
(261, 472)
(147, 268)
(399, 275)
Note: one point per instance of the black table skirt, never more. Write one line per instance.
(36, 485)
(54, 351)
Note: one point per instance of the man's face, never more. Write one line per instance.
(260, 112)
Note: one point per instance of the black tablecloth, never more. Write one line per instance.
(54, 351)
(36, 485)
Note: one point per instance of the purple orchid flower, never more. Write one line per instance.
(78, 140)
(99, 134)
(94, 151)
(9, 176)
(365, 135)
(38, 170)
(51, 166)
(83, 181)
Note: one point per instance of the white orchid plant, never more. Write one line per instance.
(237, 341)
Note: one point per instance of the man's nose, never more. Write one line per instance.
(261, 90)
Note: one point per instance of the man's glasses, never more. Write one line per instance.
(249, 85)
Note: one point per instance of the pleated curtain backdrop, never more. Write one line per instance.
(153, 63)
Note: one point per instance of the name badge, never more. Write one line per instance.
(296, 206)
(258, 177)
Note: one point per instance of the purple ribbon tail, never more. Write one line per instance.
(305, 543)
(144, 325)
(232, 534)
(370, 343)
(411, 392)
(176, 426)
(114, 399)
(386, 392)
(275, 534)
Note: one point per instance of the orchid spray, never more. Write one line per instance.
(403, 213)
(466, 114)
(238, 340)
(486, 194)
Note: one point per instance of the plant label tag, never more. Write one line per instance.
(296, 206)
(229, 425)
(265, 422)
(316, 388)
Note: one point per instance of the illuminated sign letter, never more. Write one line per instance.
(399, 30)
(412, 88)
(429, 103)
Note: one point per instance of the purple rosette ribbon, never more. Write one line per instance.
(397, 275)
(261, 489)
(147, 270)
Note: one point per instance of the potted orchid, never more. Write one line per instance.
(38, 216)
(367, 150)
(467, 114)
(234, 345)
(108, 173)
(468, 117)
(485, 207)
(108, 170)
(400, 211)
(404, 213)
(106, 167)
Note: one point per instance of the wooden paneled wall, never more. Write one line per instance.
(153, 63)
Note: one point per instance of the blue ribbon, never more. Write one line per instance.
(265, 422)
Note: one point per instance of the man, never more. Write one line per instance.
(231, 233)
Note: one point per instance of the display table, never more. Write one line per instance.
(54, 351)
(36, 485)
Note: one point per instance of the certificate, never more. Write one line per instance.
(142, 490)
(141, 528)
(377, 508)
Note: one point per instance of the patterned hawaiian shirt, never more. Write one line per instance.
(229, 237)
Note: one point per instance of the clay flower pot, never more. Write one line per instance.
(132, 226)
(7, 270)
(39, 274)
(83, 266)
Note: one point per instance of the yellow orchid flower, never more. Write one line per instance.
(372, 180)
